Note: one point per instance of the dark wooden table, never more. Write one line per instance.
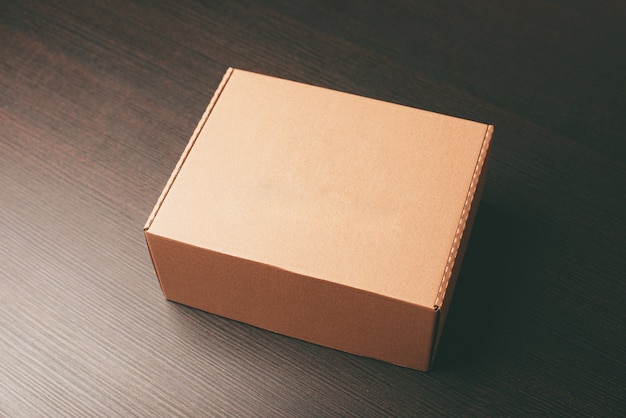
(98, 99)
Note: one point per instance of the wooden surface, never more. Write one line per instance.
(98, 99)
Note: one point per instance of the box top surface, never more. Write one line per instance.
(330, 185)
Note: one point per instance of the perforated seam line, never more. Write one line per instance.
(462, 221)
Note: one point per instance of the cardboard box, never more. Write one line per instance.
(325, 216)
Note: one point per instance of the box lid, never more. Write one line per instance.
(330, 185)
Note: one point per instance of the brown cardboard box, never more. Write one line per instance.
(321, 215)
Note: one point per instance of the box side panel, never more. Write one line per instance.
(147, 236)
(188, 147)
(446, 298)
(310, 309)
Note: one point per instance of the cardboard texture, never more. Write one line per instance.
(325, 216)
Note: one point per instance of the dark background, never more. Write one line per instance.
(99, 98)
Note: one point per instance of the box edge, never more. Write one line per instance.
(188, 147)
(461, 226)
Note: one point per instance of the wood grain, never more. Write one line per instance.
(98, 99)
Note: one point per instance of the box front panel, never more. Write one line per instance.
(310, 309)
